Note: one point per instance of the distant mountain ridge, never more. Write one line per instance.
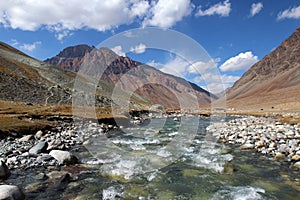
(25, 79)
(273, 82)
(160, 88)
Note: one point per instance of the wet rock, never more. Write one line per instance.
(40, 147)
(33, 187)
(11, 192)
(4, 171)
(64, 157)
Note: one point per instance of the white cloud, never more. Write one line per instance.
(25, 46)
(256, 8)
(243, 61)
(118, 50)
(14, 42)
(165, 13)
(201, 67)
(141, 48)
(223, 9)
(292, 13)
(139, 8)
(229, 78)
(176, 67)
(30, 47)
(61, 18)
(155, 64)
(216, 78)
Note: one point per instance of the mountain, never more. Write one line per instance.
(25, 79)
(273, 82)
(129, 75)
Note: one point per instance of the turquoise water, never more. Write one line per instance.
(167, 159)
(159, 161)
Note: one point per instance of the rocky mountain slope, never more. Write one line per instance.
(164, 89)
(273, 82)
(25, 79)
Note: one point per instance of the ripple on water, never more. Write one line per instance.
(239, 193)
(112, 192)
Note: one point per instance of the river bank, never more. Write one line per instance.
(274, 139)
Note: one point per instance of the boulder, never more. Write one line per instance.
(11, 192)
(40, 147)
(4, 171)
(64, 157)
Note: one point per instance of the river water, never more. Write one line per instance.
(174, 159)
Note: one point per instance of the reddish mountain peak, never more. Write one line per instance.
(75, 51)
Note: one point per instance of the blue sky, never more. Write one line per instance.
(235, 33)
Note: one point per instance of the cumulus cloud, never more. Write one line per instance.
(62, 19)
(215, 82)
(292, 13)
(26, 46)
(256, 8)
(118, 50)
(223, 9)
(176, 67)
(243, 61)
(155, 64)
(30, 47)
(141, 48)
(201, 67)
(165, 13)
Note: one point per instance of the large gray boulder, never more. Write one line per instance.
(40, 147)
(64, 157)
(11, 192)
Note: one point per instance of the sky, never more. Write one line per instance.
(235, 33)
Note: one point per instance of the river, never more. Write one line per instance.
(171, 159)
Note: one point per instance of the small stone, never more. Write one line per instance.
(296, 157)
(297, 164)
(247, 146)
(38, 134)
(259, 144)
(55, 144)
(25, 138)
(44, 158)
(64, 157)
(290, 133)
(279, 156)
(11, 192)
(4, 171)
(38, 148)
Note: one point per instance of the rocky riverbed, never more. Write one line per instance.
(46, 149)
(265, 135)
(55, 164)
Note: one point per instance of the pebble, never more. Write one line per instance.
(265, 135)
(38, 134)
